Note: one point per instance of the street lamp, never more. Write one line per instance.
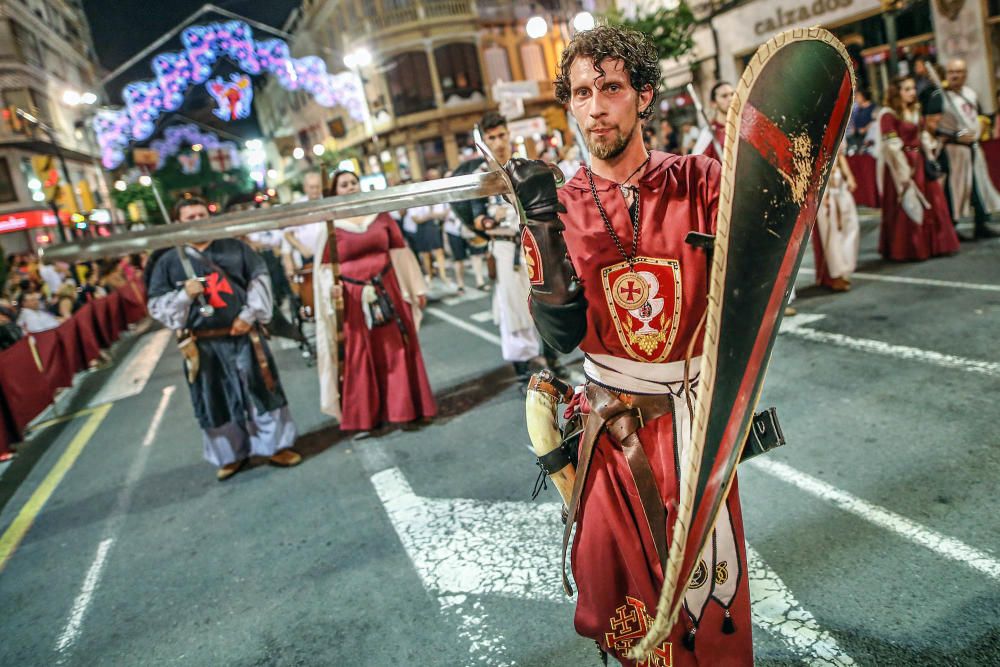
(583, 21)
(298, 153)
(145, 180)
(358, 58)
(319, 149)
(121, 186)
(536, 27)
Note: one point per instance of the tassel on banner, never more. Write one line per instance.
(34, 353)
(728, 627)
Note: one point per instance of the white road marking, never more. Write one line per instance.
(116, 519)
(890, 350)
(775, 609)
(471, 294)
(462, 547)
(82, 603)
(462, 324)
(485, 316)
(154, 425)
(133, 372)
(927, 282)
(940, 544)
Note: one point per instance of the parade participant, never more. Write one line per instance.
(837, 234)
(384, 378)
(298, 244)
(461, 249)
(907, 192)
(237, 396)
(633, 305)
(428, 241)
(953, 115)
(519, 342)
(721, 97)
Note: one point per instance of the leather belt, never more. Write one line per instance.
(622, 415)
(255, 343)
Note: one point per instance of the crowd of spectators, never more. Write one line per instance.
(36, 297)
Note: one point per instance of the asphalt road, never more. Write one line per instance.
(874, 534)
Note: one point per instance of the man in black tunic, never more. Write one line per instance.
(237, 397)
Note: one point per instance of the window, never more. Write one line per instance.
(458, 67)
(27, 45)
(408, 77)
(8, 192)
(432, 154)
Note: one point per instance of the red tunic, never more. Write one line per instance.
(719, 132)
(901, 238)
(384, 378)
(613, 555)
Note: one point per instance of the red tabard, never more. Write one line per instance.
(614, 561)
(384, 378)
(900, 238)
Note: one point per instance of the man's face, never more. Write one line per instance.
(920, 68)
(723, 98)
(312, 185)
(956, 74)
(606, 106)
(32, 301)
(498, 140)
(432, 174)
(193, 212)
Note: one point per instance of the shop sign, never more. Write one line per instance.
(15, 222)
(786, 17)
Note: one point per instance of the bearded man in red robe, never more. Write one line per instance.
(611, 272)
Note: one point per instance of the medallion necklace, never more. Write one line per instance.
(630, 290)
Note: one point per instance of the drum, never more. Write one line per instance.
(302, 285)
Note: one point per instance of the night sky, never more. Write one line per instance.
(122, 28)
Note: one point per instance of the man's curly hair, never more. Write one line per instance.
(613, 43)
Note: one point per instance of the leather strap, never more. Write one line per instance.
(265, 368)
(622, 415)
(258, 351)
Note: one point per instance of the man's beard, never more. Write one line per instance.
(610, 150)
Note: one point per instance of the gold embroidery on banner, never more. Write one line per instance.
(721, 573)
(630, 624)
(700, 576)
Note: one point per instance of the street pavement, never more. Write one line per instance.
(873, 535)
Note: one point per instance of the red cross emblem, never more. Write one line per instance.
(216, 285)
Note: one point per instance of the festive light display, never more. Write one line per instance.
(189, 134)
(204, 46)
(233, 96)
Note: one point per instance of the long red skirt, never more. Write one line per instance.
(385, 380)
(901, 239)
(618, 574)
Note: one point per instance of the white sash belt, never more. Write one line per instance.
(636, 376)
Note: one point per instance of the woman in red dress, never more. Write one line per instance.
(904, 142)
(384, 379)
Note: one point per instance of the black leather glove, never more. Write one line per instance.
(553, 280)
(535, 186)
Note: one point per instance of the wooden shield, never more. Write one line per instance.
(787, 119)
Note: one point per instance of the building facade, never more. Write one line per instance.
(45, 50)
(436, 67)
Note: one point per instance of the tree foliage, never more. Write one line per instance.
(670, 30)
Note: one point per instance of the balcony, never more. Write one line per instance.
(391, 19)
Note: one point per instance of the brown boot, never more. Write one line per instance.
(840, 285)
(228, 470)
(286, 458)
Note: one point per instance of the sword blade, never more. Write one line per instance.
(229, 225)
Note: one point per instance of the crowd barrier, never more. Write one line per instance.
(864, 169)
(34, 368)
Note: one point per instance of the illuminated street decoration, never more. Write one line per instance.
(233, 96)
(204, 46)
(189, 134)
